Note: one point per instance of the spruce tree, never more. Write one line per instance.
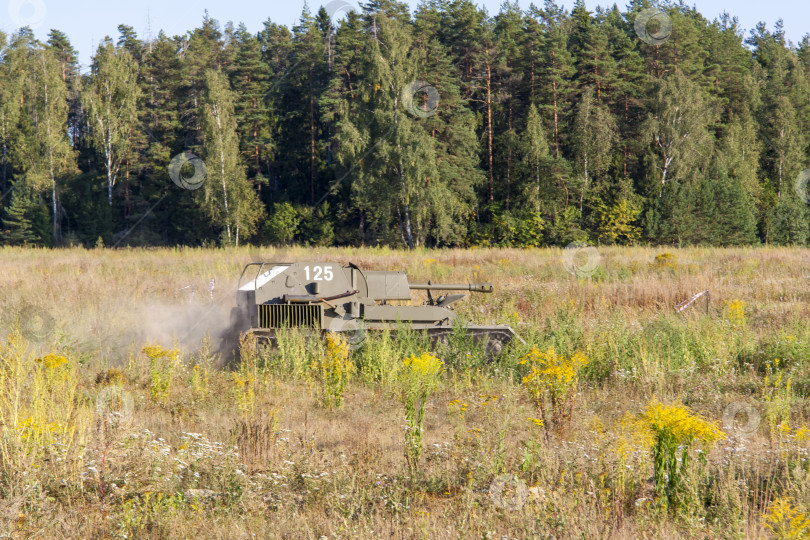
(18, 222)
(535, 155)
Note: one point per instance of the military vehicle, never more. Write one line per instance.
(326, 296)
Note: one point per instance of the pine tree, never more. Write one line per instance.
(129, 42)
(511, 96)
(596, 67)
(735, 212)
(680, 150)
(341, 104)
(485, 66)
(201, 50)
(10, 98)
(789, 223)
(250, 78)
(301, 87)
(556, 90)
(411, 172)
(276, 42)
(626, 102)
(68, 59)
(452, 133)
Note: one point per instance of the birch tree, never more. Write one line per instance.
(54, 154)
(10, 96)
(594, 137)
(228, 197)
(110, 98)
(677, 129)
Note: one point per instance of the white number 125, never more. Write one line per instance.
(319, 273)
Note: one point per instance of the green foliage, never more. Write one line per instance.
(616, 223)
(518, 229)
(447, 127)
(111, 99)
(316, 227)
(25, 222)
(283, 225)
(162, 367)
(789, 222)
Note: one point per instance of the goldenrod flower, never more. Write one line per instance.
(669, 429)
(735, 313)
(425, 365)
(418, 378)
(333, 369)
(52, 361)
(162, 364)
(679, 423)
(551, 383)
(787, 520)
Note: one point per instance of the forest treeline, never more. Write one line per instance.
(448, 126)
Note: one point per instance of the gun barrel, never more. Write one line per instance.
(475, 287)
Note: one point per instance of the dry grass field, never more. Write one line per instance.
(618, 418)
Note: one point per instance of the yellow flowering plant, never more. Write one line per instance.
(199, 381)
(786, 519)
(551, 383)
(776, 392)
(52, 361)
(53, 368)
(44, 417)
(244, 392)
(332, 371)
(162, 366)
(417, 380)
(735, 313)
(667, 429)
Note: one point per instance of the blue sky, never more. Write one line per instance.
(86, 22)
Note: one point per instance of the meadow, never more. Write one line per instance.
(619, 417)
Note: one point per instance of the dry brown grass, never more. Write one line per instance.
(211, 461)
